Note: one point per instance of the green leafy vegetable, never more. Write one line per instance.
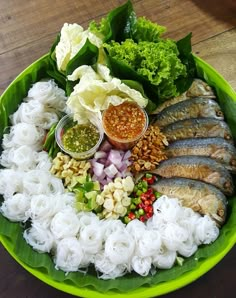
(116, 25)
(157, 63)
(145, 30)
(185, 54)
(87, 55)
(53, 71)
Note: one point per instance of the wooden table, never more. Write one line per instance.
(27, 30)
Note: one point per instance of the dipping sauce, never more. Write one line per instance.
(80, 137)
(124, 124)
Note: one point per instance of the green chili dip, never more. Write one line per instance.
(80, 137)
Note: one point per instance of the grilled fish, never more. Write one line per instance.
(200, 196)
(198, 88)
(197, 128)
(191, 108)
(216, 148)
(200, 168)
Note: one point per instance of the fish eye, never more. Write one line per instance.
(219, 113)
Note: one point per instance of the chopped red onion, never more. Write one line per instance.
(109, 163)
(111, 171)
(115, 158)
(127, 155)
(106, 146)
(97, 168)
(100, 154)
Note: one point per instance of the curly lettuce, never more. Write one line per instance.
(158, 62)
(146, 30)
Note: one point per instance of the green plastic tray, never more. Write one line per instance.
(227, 98)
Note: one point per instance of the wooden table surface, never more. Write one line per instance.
(27, 30)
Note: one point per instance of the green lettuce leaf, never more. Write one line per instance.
(145, 30)
(156, 65)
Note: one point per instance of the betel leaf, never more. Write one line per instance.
(117, 24)
(53, 71)
(87, 55)
(185, 54)
(123, 71)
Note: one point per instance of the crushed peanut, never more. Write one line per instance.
(149, 151)
(68, 169)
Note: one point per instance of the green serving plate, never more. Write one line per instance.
(164, 281)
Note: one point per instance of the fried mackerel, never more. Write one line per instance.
(216, 148)
(191, 108)
(200, 196)
(200, 168)
(198, 88)
(197, 128)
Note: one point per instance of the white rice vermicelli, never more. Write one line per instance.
(173, 235)
(166, 210)
(39, 237)
(119, 247)
(149, 244)
(110, 226)
(16, 207)
(108, 269)
(45, 206)
(11, 182)
(164, 259)
(87, 218)
(33, 112)
(141, 265)
(28, 112)
(42, 182)
(43, 160)
(68, 254)
(23, 158)
(91, 239)
(188, 247)
(49, 94)
(136, 228)
(65, 223)
(206, 230)
(24, 134)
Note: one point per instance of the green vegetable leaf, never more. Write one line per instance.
(52, 50)
(53, 72)
(116, 25)
(155, 65)
(145, 30)
(185, 54)
(87, 55)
